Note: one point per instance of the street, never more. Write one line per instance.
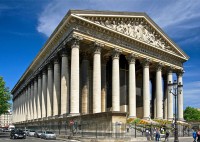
(5, 137)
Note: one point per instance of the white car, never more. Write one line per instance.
(31, 133)
(48, 135)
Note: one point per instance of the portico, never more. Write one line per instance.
(97, 62)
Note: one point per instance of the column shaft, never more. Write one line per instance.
(35, 99)
(50, 91)
(159, 93)
(115, 82)
(56, 88)
(39, 96)
(32, 101)
(64, 84)
(74, 95)
(97, 80)
(44, 94)
(146, 90)
(170, 97)
(29, 102)
(132, 87)
(180, 96)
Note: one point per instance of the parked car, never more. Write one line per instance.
(37, 134)
(31, 133)
(15, 134)
(48, 135)
(26, 131)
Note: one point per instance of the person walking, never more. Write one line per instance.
(198, 136)
(157, 135)
(194, 135)
(167, 136)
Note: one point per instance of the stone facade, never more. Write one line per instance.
(97, 62)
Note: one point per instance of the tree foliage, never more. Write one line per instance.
(191, 114)
(4, 97)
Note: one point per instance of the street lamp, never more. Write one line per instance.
(175, 89)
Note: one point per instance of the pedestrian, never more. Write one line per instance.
(167, 136)
(194, 134)
(198, 136)
(148, 135)
(157, 135)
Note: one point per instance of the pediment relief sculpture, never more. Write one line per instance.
(138, 30)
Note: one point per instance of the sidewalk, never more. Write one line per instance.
(139, 139)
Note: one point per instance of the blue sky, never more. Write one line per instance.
(25, 25)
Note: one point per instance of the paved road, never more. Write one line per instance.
(4, 137)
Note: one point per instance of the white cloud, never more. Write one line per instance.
(165, 14)
(191, 93)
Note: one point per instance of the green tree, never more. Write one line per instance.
(191, 114)
(4, 97)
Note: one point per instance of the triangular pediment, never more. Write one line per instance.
(137, 26)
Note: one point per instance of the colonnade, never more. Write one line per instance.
(55, 90)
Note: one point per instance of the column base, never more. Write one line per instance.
(73, 114)
(132, 117)
(159, 118)
(146, 118)
(170, 119)
(181, 119)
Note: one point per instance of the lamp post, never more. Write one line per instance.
(175, 89)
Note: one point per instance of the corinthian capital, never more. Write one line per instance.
(180, 72)
(159, 66)
(115, 53)
(131, 58)
(145, 62)
(75, 41)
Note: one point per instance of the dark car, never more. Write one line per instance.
(16, 134)
(37, 134)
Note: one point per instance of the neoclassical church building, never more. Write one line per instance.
(101, 65)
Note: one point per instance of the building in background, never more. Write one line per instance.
(6, 119)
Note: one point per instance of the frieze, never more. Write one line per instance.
(136, 28)
(127, 44)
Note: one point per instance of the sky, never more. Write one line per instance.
(25, 26)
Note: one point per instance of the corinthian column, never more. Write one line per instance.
(180, 95)
(159, 92)
(35, 99)
(97, 79)
(44, 94)
(132, 86)
(115, 81)
(169, 97)
(85, 85)
(29, 102)
(146, 89)
(39, 95)
(74, 95)
(50, 91)
(64, 84)
(56, 88)
(32, 100)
